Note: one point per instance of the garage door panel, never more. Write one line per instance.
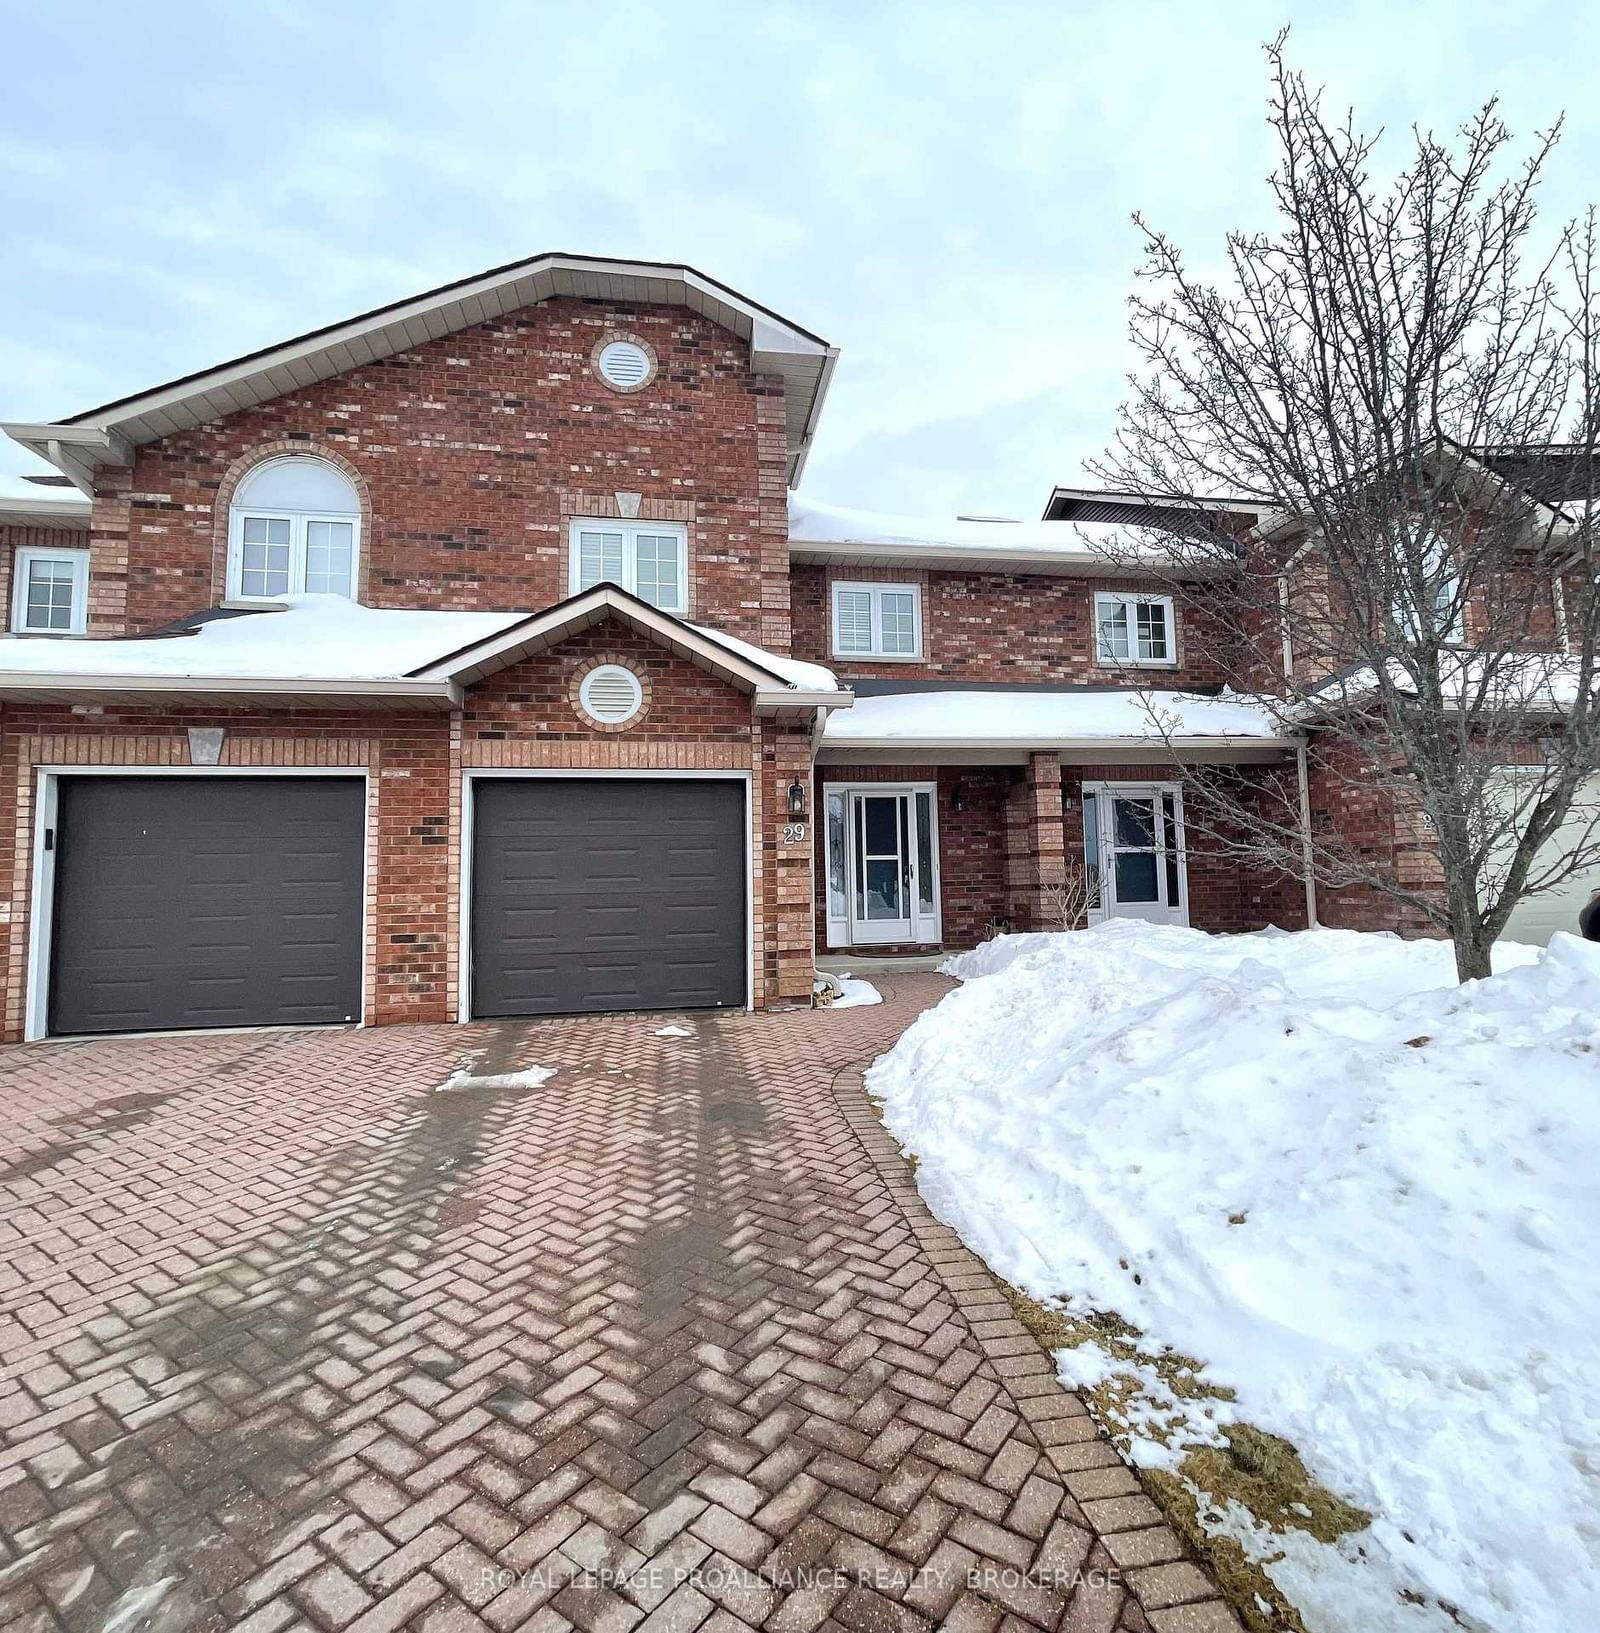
(237, 900)
(599, 895)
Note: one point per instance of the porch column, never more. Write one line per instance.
(1036, 854)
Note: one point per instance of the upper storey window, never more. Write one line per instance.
(1135, 629)
(877, 621)
(649, 559)
(51, 592)
(294, 529)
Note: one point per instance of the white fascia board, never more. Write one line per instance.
(1077, 745)
(18, 511)
(792, 697)
(997, 559)
(21, 682)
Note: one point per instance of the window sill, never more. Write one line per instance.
(1114, 664)
(48, 634)
(239, 604)
(877, 657)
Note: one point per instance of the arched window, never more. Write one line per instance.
(294, 528)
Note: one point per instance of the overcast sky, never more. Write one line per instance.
(941, 190)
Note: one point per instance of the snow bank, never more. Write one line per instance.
(1364, 1197)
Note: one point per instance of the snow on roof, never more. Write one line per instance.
(41, 494)
(315, 637)
(1046, 717)
(809, 677)
(814, 523)
(1535, 682)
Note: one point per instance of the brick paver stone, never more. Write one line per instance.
(290, 1340)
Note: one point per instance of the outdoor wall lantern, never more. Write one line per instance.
(797, 799)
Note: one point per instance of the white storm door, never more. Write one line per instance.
(1142, 862)
(891, 878)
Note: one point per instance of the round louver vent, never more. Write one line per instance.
(610, 694)
(624, 365)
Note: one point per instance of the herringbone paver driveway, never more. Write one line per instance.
(289, 1339)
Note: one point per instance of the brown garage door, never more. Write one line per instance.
(594, 894)
(206, 901)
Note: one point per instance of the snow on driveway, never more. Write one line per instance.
(1364, 1197)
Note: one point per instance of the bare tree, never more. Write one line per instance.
(1066, 904)
(1409, 387)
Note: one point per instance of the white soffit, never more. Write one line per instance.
(804, 361)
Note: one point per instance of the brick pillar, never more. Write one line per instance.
(1036, 854)
(790, 952)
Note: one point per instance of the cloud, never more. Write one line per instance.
(941, 189)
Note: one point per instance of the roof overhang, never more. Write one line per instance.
(1073, 750)
(996, 558)
(107, 435)
(773, 695)
(1149, 510)
(62, 508)
(24, 686)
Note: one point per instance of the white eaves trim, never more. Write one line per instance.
(31, 686)
(801, 359)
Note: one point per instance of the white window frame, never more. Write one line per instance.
(876, 592)
(1132, 600)
(297, 520)
(20, 564)
(630, 531)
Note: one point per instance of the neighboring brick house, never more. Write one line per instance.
(473, 657)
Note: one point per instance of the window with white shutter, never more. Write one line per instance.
(877, 620)
(648, 559)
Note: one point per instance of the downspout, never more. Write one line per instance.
(1558, 595)
(1308, 872)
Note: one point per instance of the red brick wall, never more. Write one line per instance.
(972, 850)
(13, 539)
(524, 716)
(408, 760)
(471, 451)
(538, 697)
(999, 627)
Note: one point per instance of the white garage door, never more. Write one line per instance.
(1539, 917)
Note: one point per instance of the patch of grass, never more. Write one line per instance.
(1260, 1471)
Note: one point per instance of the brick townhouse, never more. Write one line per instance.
(479, 656)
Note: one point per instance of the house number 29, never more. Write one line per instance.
(794, 833)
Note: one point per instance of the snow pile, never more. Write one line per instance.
(322, 637)
(1364, 1197)
(855, 993)
(673, 1032)
(529, 1077)
(1046, 717)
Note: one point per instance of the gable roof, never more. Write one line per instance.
(109, 433)
(777, 682)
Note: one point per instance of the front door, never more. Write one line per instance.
(890, 883)
(1136, 832)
